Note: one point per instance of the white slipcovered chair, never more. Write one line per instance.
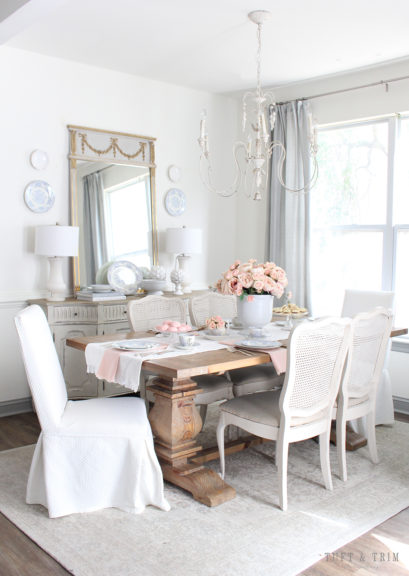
(91, 454)
(244, 380)
(146, 313)
(356, 301)
(370, 333)
(303, 408)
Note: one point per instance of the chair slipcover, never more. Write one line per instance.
(356, 301)
(148, 312)
(370, 333)
(303, 408)
(244, 380)
(91, 454)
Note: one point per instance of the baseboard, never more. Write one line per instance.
(12, 407)
(401, 405)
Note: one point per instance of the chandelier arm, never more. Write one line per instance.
(280, 170)
(235, 186)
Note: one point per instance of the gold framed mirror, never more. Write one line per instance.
(113, 201)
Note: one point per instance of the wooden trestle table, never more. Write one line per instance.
(175, 419)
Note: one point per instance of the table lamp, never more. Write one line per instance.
(56, 242)
(183, 242)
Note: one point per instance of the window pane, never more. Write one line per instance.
(352, 182)
(401, 195)
(402, 279)
(343, 259)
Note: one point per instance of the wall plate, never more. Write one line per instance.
(174, 173)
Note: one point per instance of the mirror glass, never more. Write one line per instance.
(113, 203)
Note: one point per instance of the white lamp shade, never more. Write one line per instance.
(56, 240)
(184, 240)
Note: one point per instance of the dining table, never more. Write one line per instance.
(174, 418)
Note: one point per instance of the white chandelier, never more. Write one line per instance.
(259, 110)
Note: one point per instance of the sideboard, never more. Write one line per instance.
(73, 318)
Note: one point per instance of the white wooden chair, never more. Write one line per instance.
(370, 333)
(91, 454)
(244, 380)
(303, 408)
(146, 313)
(356, 301)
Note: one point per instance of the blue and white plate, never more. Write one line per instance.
(39, 196)
(124, 276)
(175, 202)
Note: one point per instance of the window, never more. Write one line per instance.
(360, 214)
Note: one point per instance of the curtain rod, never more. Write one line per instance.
(371, 85)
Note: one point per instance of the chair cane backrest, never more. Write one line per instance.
(213, 304)
(370, 333)
(356, 301)
(42, 366)
(148, 312)
(316, 357)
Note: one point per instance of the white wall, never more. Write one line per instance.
(39, 97)
(357, 104)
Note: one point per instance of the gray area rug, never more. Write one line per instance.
(248, 536)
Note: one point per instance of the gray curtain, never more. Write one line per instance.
(288, 216)
(95, 245)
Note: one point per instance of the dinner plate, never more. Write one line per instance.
(124, 276)
(258, 344)
(134, 345)
(39, 196)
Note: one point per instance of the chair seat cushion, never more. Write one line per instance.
(255, 379)
(263, 408)
(105, 417)
(214, 387)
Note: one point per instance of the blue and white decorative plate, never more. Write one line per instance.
(38, 196)
(175, 202)
(124, 276)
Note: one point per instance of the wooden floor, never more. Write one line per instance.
(380, 551)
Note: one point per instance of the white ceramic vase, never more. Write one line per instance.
(255, 310)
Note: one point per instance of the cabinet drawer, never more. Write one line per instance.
(115, 313)
(74, 313)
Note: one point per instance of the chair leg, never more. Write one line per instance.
(220, 442)
(324, 458)
(282, 465)
(203, 412)
(341, 448)
(371, 436)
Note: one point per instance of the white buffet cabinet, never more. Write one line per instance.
(73, 318)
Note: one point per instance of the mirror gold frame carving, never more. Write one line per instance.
(93, 144)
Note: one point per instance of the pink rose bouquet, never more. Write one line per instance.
(215, 323)
(253, 278)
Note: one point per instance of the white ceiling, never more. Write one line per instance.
(211, 44)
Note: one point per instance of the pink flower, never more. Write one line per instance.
(246, 279)
(258, 285)
(235, 265)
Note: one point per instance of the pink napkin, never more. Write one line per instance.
(278, 358)
(109, 363)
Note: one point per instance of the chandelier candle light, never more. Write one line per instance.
(258, 147)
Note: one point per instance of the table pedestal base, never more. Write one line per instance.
(175, 423)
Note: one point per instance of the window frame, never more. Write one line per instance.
(389, 230)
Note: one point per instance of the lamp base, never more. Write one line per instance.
(56, 284)
(183, 263)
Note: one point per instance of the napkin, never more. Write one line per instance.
(108, 366)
